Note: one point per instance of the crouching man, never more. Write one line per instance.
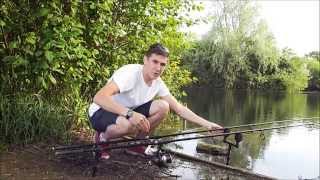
(126, 104)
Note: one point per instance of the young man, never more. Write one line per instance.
(126, 105)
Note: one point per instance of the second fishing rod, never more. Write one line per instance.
(178, 134)
(146, 142)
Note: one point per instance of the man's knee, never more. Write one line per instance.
(122, 126)
(162, 107)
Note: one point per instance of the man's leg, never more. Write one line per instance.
(158, 111)
(121, 128)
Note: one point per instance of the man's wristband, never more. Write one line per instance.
(129, 113)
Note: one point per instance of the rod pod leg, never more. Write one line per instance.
(237, 137)
(228, 154)
(96, 155)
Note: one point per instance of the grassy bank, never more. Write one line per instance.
(31, 118)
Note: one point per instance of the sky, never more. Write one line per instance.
(294, 23)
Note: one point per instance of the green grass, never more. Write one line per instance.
(31, 118)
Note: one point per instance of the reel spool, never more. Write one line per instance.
(159, 156)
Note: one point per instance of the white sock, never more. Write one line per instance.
(102, 137)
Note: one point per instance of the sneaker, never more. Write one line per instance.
(98, 139)
(142, 150)
(151, 150)
(137, 150)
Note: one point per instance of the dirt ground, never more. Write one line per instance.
(37, 161)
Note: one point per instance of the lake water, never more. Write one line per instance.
(289, 153)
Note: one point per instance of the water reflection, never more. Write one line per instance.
(292, 155)
(284, 153)
(241, 106)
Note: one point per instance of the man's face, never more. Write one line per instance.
(155, 65)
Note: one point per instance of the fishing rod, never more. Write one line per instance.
(171, 135)
(161, 157)
(199, 129)
(233, 127)
(146, 142)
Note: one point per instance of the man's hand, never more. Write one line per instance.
(140, 121)
(214, 127)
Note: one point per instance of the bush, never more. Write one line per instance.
(66, 50)
(314, 67)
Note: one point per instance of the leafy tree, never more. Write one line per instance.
(314, 54)
(51, 46)
(240, 52)
(64, 51)
(313, 66)
(296, 76)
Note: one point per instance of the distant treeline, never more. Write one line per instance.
(240, 52)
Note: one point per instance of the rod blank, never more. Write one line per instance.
(160, 141)
(178, 134)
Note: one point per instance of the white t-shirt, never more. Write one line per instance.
(133, 89)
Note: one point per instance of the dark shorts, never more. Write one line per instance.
(101, 119)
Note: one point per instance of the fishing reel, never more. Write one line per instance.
(158, 156)
(237, 137)
(162, 159)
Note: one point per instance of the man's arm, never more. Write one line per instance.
(187, 114)
(103, 99)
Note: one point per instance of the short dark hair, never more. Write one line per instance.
(158, 49)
